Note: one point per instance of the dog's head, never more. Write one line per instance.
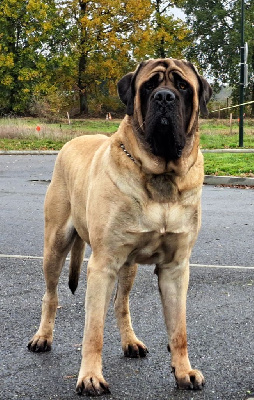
(164, 97)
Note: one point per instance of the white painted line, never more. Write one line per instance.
(19, 256)
(221, 266)
(86, 259)
(27, 257)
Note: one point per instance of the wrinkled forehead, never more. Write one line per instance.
(167, 67)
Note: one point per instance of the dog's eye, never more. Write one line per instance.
(182, 85)
(152, 83)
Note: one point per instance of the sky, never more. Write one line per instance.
(178, 13)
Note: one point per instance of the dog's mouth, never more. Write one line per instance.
(179, 151)
(164, 134)
(164, 121)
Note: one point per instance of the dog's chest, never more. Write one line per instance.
(167, 218)
(160, 230)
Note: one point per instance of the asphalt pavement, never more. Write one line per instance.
(219, 310)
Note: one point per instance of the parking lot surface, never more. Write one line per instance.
(219, 310)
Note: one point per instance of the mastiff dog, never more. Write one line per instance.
(135, 198)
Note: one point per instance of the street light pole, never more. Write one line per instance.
(241, 78)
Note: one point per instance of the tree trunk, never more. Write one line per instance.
(252, 96)
(13, 34)
(161, 49)
(162, 53)
(83, 104)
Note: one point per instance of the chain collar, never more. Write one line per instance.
(126, 152)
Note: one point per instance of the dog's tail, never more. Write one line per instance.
(77, 256)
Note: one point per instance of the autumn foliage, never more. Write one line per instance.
(67, 55)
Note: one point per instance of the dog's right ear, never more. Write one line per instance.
(126, 88)
(126, 92)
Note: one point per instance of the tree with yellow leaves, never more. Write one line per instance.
(116, 34)
(56, 49)
(107, 31)
(33, 53)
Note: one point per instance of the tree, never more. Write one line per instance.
(215, 29)
(115, 34)
(170, 37)
(249, 30)
(53, 50)
(106, 30)
(18, 59)
(33, 52)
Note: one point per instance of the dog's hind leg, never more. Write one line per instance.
(59, 235)
(131, 345)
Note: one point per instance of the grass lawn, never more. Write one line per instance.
(32, 134)
(31, 143)
(234, 164)
(216, 134)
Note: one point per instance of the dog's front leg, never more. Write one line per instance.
(131, 345)
(101, 276)
(173, 285)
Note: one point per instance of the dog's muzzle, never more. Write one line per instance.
(164, 100)
(164, 97)
(164, 128)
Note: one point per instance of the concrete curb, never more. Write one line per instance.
(227, 150)
(208, 180)
(28, 152)
(52, 152)
(228, 180)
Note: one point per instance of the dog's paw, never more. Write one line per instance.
(92, 386)
(135, 350)
(39, 344)
(194, 379)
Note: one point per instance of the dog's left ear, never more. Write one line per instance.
(205, 94)
(205, 91)
(125, 91)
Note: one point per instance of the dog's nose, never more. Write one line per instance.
(164, 96)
